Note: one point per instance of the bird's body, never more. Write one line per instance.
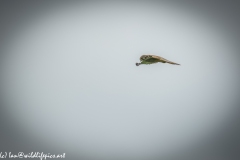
(150, 59)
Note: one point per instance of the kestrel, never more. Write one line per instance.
(150, 59)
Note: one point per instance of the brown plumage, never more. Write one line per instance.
(150, 59)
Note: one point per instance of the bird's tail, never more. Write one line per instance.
(170, 62)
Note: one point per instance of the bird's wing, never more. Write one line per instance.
(157, 57)
(145, 57)
(148, 59)
(163, 60)
(153, 58)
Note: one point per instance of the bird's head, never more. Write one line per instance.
(137, 64)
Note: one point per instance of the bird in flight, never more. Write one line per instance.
(150, 59)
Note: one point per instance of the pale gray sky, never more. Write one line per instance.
(71, 82)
